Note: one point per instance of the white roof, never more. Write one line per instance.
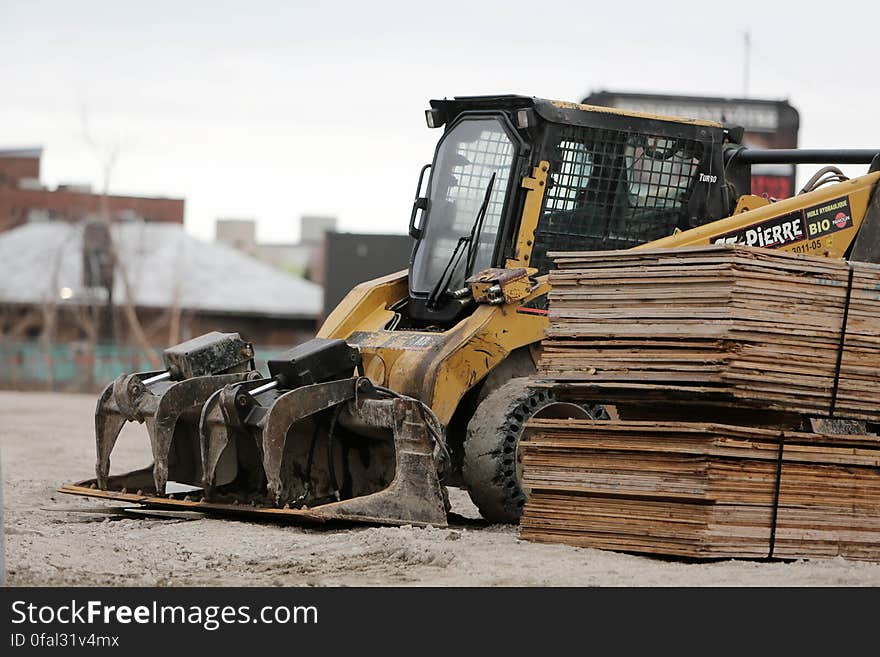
(164, 265)
(33, 152)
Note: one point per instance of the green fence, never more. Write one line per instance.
(77, 367)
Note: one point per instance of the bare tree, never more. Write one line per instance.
(108, 155)
(49, 310)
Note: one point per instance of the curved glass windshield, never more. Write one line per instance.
(461, 176)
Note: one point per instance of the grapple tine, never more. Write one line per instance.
(220, 426)
(213, 438)
(117, 405)
(288, 409)
(108, 424)
(414, 495)
(182, 398)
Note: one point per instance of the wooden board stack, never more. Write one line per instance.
(701, 490)
(724, 325)
(709, 332)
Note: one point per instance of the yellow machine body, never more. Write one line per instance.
(438, 368)
(823, 222)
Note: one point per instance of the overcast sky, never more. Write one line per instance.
(272, 110)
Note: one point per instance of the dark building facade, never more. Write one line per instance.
(352, 258)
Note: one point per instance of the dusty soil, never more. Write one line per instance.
(47, 439)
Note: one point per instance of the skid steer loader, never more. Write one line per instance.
(419, 380)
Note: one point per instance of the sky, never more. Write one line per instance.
(272, 110)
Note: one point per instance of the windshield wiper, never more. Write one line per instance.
(477, 228)
(470, 240)
(448, 270)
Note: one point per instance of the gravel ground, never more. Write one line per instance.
(47, 439)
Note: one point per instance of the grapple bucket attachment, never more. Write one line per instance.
(307, 443)
(169, 404)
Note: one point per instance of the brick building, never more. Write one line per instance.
(24, 199)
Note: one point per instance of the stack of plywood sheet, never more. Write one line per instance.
(723, 325)
(701, 490)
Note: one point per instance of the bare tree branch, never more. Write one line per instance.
(108, 157)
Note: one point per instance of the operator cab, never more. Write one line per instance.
(615, 180)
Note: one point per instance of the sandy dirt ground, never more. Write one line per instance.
(47, 439)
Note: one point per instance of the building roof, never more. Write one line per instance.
(164, 264)
(33, 152)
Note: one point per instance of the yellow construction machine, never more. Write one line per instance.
(420, 380)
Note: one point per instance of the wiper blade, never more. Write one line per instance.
(470, 240)
(448, 270)
(477, 228)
